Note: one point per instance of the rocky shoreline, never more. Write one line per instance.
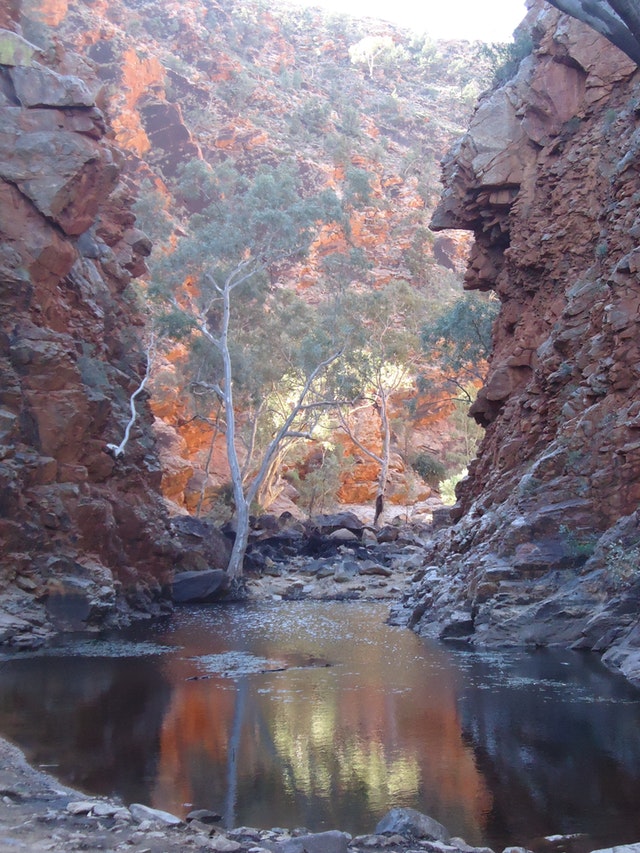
(39, 814)
(336, 557)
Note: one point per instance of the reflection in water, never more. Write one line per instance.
(95, 723)
(317, 745)
(558, 739)
(321, 715)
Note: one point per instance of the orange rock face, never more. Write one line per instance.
(547, 179)
(85, 532)
(49, 12)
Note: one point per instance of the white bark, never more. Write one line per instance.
(244, 495)
(118, 449)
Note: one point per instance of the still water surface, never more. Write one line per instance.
(321, 715)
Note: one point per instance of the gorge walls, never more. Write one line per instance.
(546, 544)
(84, 536)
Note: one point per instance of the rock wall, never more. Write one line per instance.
(546, 544)
(84, 537)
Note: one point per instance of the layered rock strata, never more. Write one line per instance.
(546, 544)
(84, 538)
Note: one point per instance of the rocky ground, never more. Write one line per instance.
(334, 557)
(351, 565)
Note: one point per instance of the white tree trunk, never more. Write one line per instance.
(620, 28)
(234, 570)
(243, 495)
(385, 456)
(236, 561)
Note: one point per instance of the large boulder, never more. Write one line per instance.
(412, 823)
(199, 587)
(201, 545)
(327, 524)
(331, 841)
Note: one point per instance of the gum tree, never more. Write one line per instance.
(252, 339)
(381, 333)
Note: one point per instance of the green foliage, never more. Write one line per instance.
(373, 52)
(320, 480)
(460, 338)
(370, 51)
(610, 117)
(162, 25)
(447, 487)
(245, 216)
(314, 114)
(350, 120)
(378, 331)
(339, 147)
(290, 80)
(223, 505)
(176, 64)
(418, 257)
(357, 186)
(465, 433)
(215, 285)
(582, 546)
(250, 223)
(236, 92)
(152, 215)
(431, 470)
(385, 107)
(340, 269)
(505, 57)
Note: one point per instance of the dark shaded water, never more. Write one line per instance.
(321, 715)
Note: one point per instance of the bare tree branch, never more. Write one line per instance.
(201, 387)
(286, 426)
(118, 449)
(352, 437)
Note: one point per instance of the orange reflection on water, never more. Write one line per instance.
(377, 729)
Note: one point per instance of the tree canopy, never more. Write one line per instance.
(459, 339)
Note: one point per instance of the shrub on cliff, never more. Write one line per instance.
(429, 468)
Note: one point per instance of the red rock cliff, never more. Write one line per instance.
(546, 546)
(83, 534)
